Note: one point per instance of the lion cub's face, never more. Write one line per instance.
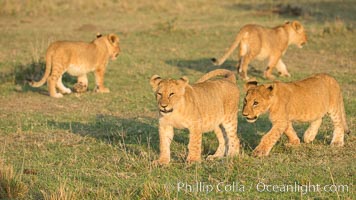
(169, 93)
(257, 101)
(297, 33)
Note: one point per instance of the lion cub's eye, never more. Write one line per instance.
(255, 103)
(159, 94)
(171, 94)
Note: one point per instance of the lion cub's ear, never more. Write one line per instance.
(250, 84)
(98, 35)
(155, 80)
(184, 80)
(113, 38)
(269, 89)
(297, 26)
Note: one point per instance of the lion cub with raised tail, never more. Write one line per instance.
(258, 42)
(78, 59)
(306, 100)
(207, 105)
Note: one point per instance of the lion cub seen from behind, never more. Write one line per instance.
(258, 42)
(307, 100)
(207, 105)
(78, 59)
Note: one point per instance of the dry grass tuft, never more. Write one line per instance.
(63, 193)
(11, 186)
(337, 26)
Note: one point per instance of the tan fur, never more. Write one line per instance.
(258, 42)
(307, 100)
(78, 58)
(209, 105)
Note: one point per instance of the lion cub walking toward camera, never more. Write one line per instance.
(78, 58)
(261, 42)
(207, 105)
(307, 100)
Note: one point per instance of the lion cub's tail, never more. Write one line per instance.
(218, 72)
(231, 49)
(45, 76)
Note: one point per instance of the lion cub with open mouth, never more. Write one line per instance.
(306, 100)
(207, 105)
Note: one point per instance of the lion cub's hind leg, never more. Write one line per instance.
(61, 87)
(246, 56)
(51, 84)
(339, 131)
(232, 139)
(220, 152)
(311, 132)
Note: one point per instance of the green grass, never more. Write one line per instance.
(101, 146)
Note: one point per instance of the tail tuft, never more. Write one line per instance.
(215, 61)
(29, 81)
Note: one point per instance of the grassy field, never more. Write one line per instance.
(101, 146)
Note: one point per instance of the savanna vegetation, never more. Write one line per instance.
(101, 146)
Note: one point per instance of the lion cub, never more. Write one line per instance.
(307, 100)
(78, 59)
(261, 42)
(202, 107)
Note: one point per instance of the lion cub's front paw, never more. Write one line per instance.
(293, 143)
(193, 159)
(102, 90)
(244, 77)
(337, 143)
(270, 77)
(260, 152)
(67, 91)
(214, 157)
(284, 74)
(161, 162)
(57, 95)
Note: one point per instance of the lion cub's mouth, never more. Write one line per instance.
(251, 120)
(166, 111)
(114, 56)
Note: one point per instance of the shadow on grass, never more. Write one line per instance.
(205, 65)
(138, 133)
(321, 11)
(202, 65)
(250, 134)
(34, 71)
(114, 130)
(134, 133)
